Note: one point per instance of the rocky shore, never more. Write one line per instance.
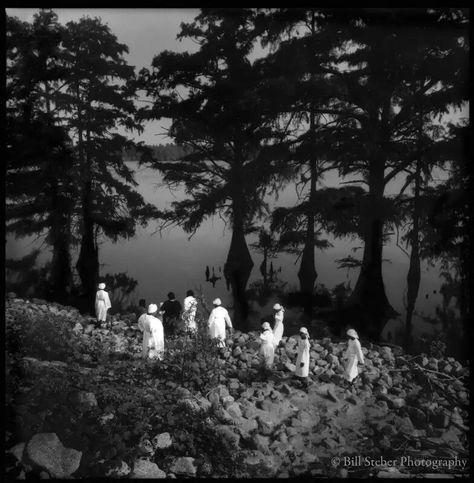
(119, 419)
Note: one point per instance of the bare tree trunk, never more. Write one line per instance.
(369, 291)
(61, 273)
(414, 271)
(239, 263)
(88, 261)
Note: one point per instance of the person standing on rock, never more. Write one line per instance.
(267, 349)
(189, 311)
(302, 360)
(353, 355)
(102, 304)
(153, 334)
(218, 320)
(171, 311)
(278, 314)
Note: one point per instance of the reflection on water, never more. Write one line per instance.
(171, 261)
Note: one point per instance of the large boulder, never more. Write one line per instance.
(46, 451)
(144, 468)
(183, 466)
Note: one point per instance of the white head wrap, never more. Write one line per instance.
(217, 301)
(101, 286)
(266, 326)
(152, 308)
(304, 330)
(277, 307)
(352, 333)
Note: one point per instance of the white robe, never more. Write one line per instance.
(278, 328)
(303, 357)
(354, 356)
(189, 312)
(267, 350)
(102, 304)
(218, 319)
(153, 336)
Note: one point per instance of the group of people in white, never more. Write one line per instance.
(153, 344)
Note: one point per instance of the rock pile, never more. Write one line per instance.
(278, 430)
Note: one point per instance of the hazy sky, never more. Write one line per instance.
(146, 32)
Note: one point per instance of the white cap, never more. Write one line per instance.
(217, 301)
(352, 333)
(101, 286)
(266, 326)
(277, 307)
(152, 308)
(304, 330)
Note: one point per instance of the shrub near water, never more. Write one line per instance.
(191, 361)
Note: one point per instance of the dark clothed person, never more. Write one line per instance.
(171, 310)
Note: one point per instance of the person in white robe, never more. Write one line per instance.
(102, 303)
(218, 320)
(189, 311)
(267, 349)
(278, 314)
(353, 355)
(302, 359)
(153, 344)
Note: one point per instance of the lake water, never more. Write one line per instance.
(171, 261)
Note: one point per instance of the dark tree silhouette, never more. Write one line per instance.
(216, 100)
(97, 99)
(397, 59)
(39, 175)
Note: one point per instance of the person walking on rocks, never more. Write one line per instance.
(102, 304)
(218, 320)
(189, 311)
(278, 314)
(153, 334)
(302, 360)
(353, 355)
(171, 311)
(267, 349)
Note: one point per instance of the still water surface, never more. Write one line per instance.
(171, 261)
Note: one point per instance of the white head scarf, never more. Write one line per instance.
(304, 330)
(152, 308)
(217, 301)
(277, 307)
(352, 333)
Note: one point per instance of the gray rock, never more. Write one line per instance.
(231, 438)
(234, 411)
(119, 471)
(261, 443)
(17, 451)
(85, 400)
(246, 426)
(162, 441)
(144, 468)
(184, 466)
(258, 465)
(46, 451)
(145, 448)
(237, 351)
(417, 416)
(266, 424)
